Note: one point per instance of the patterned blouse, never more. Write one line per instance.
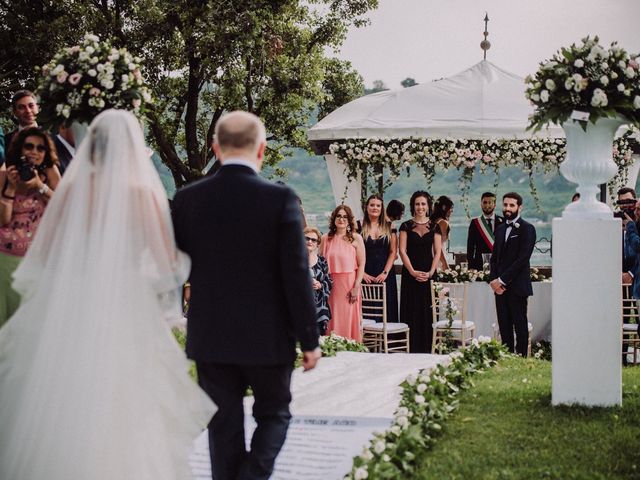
(320, 271)
(17, 235)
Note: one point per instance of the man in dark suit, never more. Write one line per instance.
(65, 147)
(481, 235)
(251, 297)
(510, 277)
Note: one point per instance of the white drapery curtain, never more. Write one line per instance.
(344, 191)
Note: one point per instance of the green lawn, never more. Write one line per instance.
(505, 428)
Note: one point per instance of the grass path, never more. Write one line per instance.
(505, 428)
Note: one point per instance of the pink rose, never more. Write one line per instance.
(94, 92)
(75, 78)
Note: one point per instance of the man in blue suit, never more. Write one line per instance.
(251, 297)
(510, 277)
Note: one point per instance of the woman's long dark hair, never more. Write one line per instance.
(15, 149)
(420, 193)
(351, 225)
(441, 208)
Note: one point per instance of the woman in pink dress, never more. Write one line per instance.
(344, 250)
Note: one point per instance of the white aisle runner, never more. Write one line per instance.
(336, 409)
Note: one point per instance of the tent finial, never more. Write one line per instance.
(485, 44)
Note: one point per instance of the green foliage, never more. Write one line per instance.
(331, 344)
(378, 86)
(202, 59)
(505, 428)
(408, 82)
(427, 401)
(181, 337)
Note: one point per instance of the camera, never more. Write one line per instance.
(625, 206)
(25, 169)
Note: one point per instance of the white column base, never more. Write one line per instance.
(586, 312)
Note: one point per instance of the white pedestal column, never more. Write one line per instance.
(587, 312)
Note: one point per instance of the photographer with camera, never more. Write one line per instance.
(27, 180)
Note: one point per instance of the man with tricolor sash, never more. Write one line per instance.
(481, 237)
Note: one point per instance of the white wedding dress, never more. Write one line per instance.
(93, 385)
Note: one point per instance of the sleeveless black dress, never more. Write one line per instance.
(377, 252)
(415, 297)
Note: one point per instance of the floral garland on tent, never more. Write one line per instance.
(531, 155)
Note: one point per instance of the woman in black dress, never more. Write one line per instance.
(420, 249)
(381, 248)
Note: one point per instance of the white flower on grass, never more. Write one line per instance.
(455, 355)
(544, 96)
(386, 458)
(579, 63)
(361, 473)
(550, 84)
(421, 388)
(402, 411)
(419, 399)
(402, 421)
(395, 430)
(411, 379)
(636, 102)
(366, 455)
(379, 446)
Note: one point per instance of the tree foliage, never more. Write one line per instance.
(408, 82)
(378, 86)
(202, 58)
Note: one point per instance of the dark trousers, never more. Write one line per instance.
(226, 385)
(512, 315)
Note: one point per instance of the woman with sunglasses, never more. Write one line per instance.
(28, 179)
(320, 278)
(344, 250)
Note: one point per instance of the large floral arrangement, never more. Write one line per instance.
(428, 399)
(83, 80)
(588, 78)
(542, 155)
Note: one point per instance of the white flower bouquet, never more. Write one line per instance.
(83, 80)
(585, 78)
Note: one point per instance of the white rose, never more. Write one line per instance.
(66, 111)
(58, 69)
(59, 108)
(630, 72)
(361, 473)
(604, 66)
(403, 411)
(89, 49)
(62, 77)
(92, 73)
(132, 66)
(402, 421)
(419, 399)
(411, 379)
(621, 87)
(544, 96)
(386, 458)
(535, 97)
(395, 430)
(366, 454)
(579, 63)
(614, 75)
(550, 84)
(636, 102)
(379, 446)
(568, 83)
(622, 64)
(83, 56)
(604, 80)
(93, 60)
(577, 77)
(421, 388)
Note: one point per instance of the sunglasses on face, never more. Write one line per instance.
(30, 146)
(343, 217)
(312, 240)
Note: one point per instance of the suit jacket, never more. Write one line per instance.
(510, 259)
(251, 294)
(476, 245)
(64, 155)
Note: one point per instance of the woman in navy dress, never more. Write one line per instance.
(381, 250)
(420, 249)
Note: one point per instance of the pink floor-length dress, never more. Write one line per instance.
(343, 266)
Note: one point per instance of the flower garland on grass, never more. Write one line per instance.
(331, 344)
(535, 155)
(427, 401)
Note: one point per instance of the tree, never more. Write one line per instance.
(202, 58)
(408, 82)
(378, 86)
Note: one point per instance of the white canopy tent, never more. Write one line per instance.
(482, 102)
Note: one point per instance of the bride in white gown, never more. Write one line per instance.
(92, 384)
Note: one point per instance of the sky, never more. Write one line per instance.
(431, 39)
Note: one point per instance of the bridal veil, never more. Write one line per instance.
(92, 383)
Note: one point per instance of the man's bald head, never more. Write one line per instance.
(239, 134)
